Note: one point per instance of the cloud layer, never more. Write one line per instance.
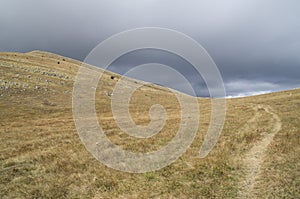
(254, 43)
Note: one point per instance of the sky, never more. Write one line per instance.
(254, 43)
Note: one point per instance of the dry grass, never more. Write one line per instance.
(41, 154)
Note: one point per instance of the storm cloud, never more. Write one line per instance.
(254, 43)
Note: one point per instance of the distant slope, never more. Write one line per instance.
(41, 154)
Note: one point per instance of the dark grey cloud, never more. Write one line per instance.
(253, 42)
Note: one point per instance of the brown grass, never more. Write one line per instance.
(41, 155)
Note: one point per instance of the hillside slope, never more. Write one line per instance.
(41, 154)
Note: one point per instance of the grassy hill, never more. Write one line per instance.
(41, 154)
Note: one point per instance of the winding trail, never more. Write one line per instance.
(254, 158)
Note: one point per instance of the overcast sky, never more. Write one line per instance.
(255, 43)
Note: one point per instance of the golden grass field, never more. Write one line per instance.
(41, 155)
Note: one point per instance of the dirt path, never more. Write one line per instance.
(255, 157)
